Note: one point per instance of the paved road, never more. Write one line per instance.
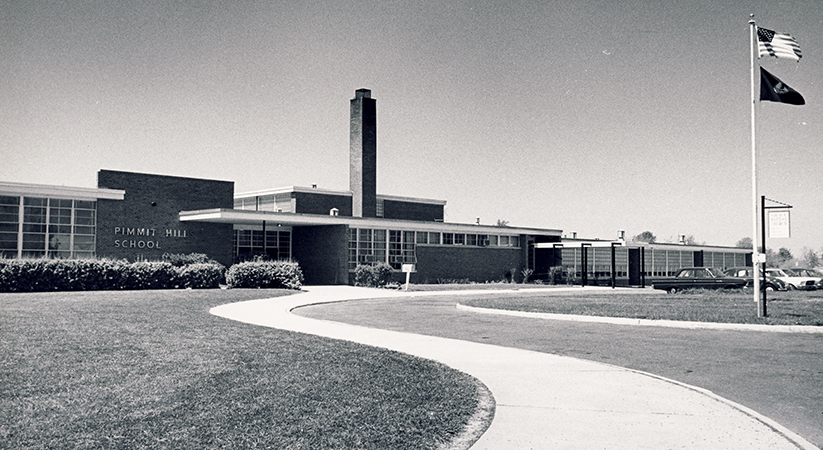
(779, 375)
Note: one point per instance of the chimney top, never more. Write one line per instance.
(362, 93)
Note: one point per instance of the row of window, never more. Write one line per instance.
(272, 202)
(397, 247)
(658, 262)
(252, 243)
(55, 228)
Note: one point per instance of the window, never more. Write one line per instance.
(471, 239)
(266, 203)
(434, 238)
(9, 225)
(448, 238)
(375, 246)
(50, 227)
(274, 244)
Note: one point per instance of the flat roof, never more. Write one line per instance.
(63, 192)
(577, 243)
(240, 216)
(314, 190)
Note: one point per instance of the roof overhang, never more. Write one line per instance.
(245, 217)
(63, 192)
(314, 190)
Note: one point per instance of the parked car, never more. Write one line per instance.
(793, 281)
(772, 283)
(697, 278)
(808, 273)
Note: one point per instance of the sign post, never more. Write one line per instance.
(407, 269)
(779, 227)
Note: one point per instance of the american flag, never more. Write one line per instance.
(779, 45)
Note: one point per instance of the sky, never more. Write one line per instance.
(586, 116)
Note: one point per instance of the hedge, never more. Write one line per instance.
(378, 275)
(265, 274)
(30, 275)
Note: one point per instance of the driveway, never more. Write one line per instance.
(779, 375)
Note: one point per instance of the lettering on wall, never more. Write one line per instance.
(142, 238)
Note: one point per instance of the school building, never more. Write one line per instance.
(328, 232)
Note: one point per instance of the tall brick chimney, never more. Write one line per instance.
(363, 154)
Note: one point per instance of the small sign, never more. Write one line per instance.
(779, 224)
(407, 268)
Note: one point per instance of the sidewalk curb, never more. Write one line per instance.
(646, 322)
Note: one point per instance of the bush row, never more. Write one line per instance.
(30, 275)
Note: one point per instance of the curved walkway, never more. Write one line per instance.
(544, 400)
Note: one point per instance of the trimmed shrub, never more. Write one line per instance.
(183, 259)
(31, 275)
(148, 275)
(378, 275)
(260, 274)
(200, 276)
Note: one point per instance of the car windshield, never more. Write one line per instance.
(806, 273)
(777, 273)
(738, 272)
(717, 273)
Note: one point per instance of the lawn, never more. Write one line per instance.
(735, 306)
(153, 369)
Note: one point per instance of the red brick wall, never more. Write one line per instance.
(146, 223)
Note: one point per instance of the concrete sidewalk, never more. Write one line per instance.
(549, 401)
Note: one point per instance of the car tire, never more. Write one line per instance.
(790, 287)
(770, 288)
(672, 290)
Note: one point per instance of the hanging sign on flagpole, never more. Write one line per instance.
(779, 224)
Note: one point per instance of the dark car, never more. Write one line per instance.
(772, 283)
(698, 278)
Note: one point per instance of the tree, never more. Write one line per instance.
(783, 255)
(809, 257)
(745, 242)
(772, 260)
(645, 236)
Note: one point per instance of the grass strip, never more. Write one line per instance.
(732, 306)
(153, 369)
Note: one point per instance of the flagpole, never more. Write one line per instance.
(756, 260)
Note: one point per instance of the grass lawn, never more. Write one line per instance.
(734, 306)
(153, 369)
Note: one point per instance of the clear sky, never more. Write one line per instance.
(587, 116)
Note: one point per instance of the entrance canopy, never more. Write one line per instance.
(239, 217)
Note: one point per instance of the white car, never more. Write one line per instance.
(809, 273)
(792, 281)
